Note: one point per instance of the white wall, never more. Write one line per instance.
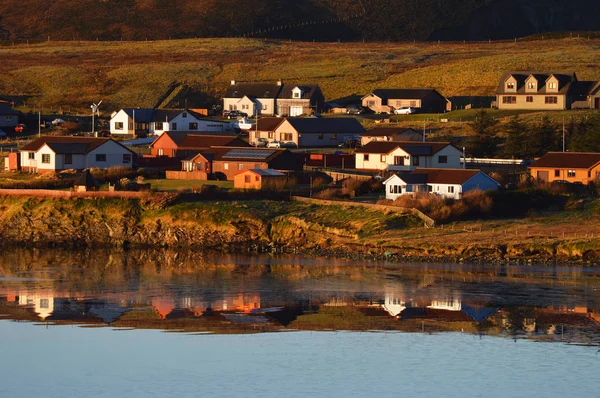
(114, 156)
(122, 117)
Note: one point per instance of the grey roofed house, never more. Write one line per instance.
(412, 148)
(396, 93)
(68, 144)
(327, 125)
(164, 115)
(253, 90)
(141, 115)
(564, 80)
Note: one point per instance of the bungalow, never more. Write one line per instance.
(265, 129)
(581, 167)
(258, 179)
(407, 156)
(450, 183)
(9, 118)
(177, 144)
(157, 121)
(390, 134)
(318, 132)
(425, 100)
(55, 153)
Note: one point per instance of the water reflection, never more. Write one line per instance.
(232, 294)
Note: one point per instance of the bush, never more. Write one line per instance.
(350, 187)
(329, 194)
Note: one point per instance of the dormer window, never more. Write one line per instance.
(531, 85)
(296, 93)
(184, 114)
(552, 85)
(510, 86)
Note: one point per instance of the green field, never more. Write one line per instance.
(68, 76)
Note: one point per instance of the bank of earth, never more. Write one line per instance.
(295, 227)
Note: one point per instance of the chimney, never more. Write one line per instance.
(233, 82)
(279, 83)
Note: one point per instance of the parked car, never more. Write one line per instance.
(351, 143)
(274, 144)
(20, 127)
(405, 110)
(57, 122)
(354, 110)
(288, 144)
(228, 113)
(260, 142)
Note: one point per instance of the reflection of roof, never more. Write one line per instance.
(575, 160)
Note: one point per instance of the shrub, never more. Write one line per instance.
(350, 186)
(329, 194)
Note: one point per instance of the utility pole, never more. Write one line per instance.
(424, 124)
(464, 159)
(563, 134)
(40, 121)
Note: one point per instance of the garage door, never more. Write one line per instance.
(542, 176)
(295, 110)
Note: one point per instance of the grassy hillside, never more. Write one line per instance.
(70, 75)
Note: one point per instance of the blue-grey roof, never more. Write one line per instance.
(327, 125)
(141, 115)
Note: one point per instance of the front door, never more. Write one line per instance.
(295, 111)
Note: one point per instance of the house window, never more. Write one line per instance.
(174, 153)
(507, 99)
(413, 103)
(429, 188)
(531, 85)
(100, 157)
(126, 158)
(552, 85)
(174, 126)
(366, 157)
(442, 159)
(68, 158)
(333, 136)
(383, 158)
(45, 158)
(257, 165)
(244, 107)
(161, 152)
(589, 174)
(398, 160)
(247, 179)
(551, 100)
(371, 103)
(226, 166)
(31, 155)
(556, 173)
(297, 94)
(415, 160)
(184, 114)
(320, 136)
(119, 126)
(286, 136)
(264, 108)
(571, 173)
(193, 126)
(256, 178)
(529, 98)
(158, 126)
(450, 189)
(271, 134)
(510, 86)
(241, 166)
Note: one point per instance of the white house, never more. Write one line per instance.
(157, 121)
(50, 153)
(407, 156)
(451, 183)
(252, 98)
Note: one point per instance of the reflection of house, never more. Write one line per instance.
(583, 167)
(407, 156)
(425, 100)
(9, 118)
(451, 183)
(42, 303)
(393, 305)
(390, 134)
(55, 153)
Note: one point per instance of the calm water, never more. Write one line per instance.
(97, 323)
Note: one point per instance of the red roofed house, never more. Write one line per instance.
(582, 167)
(407, 156)
(57, 153)
(451, 183)
(179, 144)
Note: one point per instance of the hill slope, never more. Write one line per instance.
(322, 20)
